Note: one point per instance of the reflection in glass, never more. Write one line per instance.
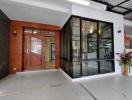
(66, 55)
(105, 47)
(89, 40)
(44, 32)
(36, 31)
(76, 46)
(51, 33)
(27, 30)
(36, 46)
(89, 68)
(86, 47)
(49, 52)
(52, 51)
(89, 48)
(105, 41)
(106, 66)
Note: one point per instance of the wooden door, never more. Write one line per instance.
(33, 52)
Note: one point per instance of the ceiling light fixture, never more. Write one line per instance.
(82, 2)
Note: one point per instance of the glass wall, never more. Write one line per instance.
(66, 46)
(87, 47)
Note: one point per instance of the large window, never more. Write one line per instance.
(87, 47)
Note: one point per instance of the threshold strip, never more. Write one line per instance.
(88, 91)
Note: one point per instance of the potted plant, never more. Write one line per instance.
(125, 59)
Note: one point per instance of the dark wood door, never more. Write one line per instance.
(33, 52)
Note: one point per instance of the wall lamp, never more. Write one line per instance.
(119, 30)
(14, 33)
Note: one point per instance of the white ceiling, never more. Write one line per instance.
(54, 12)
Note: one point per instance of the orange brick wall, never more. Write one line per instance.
(16, 43)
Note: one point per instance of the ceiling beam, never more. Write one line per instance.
(119, 4)
(124, 8)
(116, 12)
(102, 2)
(127, 12)
(109, 6)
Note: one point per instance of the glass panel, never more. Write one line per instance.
(27, 30)
(49, 52)
(51, 33)
(105, 41)
(76, 47)
(36, 31)
(89, 40)
(105, 30)
(76, 40)
(76, 50)
(89, 48)
(89, 68)
(76, 70)
(44, 32)
(105, 47)
(106, 66)
(47, 32)
(66, 49)
(65, 53)
(52, 51)
(36, 45)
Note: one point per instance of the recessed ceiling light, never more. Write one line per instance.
(82, 2)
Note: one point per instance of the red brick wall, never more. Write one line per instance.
(16, 43)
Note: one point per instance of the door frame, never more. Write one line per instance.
(23, 40)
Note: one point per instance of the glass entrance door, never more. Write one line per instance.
(39, 49)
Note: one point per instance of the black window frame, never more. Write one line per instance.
(70, 73)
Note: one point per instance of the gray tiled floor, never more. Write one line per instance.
(53, 85)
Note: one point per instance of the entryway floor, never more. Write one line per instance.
(53, 85)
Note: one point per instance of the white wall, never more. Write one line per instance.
(128, 30)
(128, 23)
(116, 19)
